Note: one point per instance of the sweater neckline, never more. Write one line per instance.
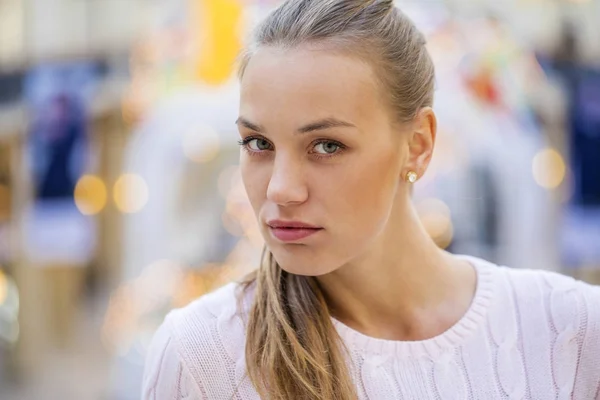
(453, 337)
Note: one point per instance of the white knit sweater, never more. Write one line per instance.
(527, 335)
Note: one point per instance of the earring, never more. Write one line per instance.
(411, 176)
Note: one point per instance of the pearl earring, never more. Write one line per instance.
(411, 176)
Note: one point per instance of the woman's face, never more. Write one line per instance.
(322, 160)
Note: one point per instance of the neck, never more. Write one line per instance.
(404, 287)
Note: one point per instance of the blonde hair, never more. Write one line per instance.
(292, 348)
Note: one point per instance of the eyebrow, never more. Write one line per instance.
(247, 124)
(326, 123)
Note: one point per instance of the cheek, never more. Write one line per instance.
(255, 181)
(366, 191)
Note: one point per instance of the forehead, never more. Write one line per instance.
(305, 83)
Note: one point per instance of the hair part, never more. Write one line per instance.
(293, 350)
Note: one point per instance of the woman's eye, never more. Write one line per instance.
(327, 148)
(259, 145)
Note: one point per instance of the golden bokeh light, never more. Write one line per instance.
(201, 145)
(216, 25)
(231, 225)
(200, 281)
(159, 281)
(131, 302)
(119, 321)
(130, 193)
(446, 240)
(435, 224)
(436, 219)
(256, 239)
(549, 168)
(90, 195)
(3, 287)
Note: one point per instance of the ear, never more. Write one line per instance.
(421, 141)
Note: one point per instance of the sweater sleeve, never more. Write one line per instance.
(166, 377)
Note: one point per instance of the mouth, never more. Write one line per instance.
(292, 231)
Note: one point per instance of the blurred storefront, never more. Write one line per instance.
(120, 195)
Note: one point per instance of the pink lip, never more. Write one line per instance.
(291, 231)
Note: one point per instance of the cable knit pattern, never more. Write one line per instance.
(564, 312)
(504, 334)
(449, 378)
(527, 335)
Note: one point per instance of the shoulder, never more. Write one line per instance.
(212, 323)
(561, 315)
(555, 290)
(558, 296)
(556, 321)
(203, 342)
(544, 300)
(207, 308)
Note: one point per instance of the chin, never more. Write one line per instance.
(296, 263)
(301, 270)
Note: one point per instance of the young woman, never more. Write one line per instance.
(353, 299)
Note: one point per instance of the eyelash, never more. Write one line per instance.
(244, 144)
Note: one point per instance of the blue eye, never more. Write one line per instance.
(256, 144)
(259, 145)
(327, 148)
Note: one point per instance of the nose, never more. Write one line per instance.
(287, 185)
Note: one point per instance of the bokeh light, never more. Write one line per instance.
(90, 195)
(199, 281)
(159, 281)
(231, 225)
(227, 179)
(436, 218)
(130, 193)
(548, 168)
(201, 144)
(219, 41)
(118, 327)
(3, 287)
(132, 301)
(255, 237)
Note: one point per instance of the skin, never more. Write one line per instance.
(379, 270)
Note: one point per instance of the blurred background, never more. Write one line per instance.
(120, 195)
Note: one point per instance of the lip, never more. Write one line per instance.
(291, 231)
